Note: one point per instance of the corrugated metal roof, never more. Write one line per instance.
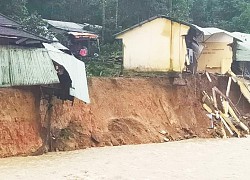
(4, 68)
(26, 66)
(209, 31)
(11, 29)
(76, 70)
(243, 36)
(6, 21)
(67, 26)
(13, 32)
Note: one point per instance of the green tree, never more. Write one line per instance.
(17, 10)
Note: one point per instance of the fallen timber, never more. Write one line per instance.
(223, 111)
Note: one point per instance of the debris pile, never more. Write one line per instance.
(224, 115)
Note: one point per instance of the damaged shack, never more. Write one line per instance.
(23, 60)
(217, 55)
(161, 44)
(28, 60)
(82, 43)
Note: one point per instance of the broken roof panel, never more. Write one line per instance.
(26, 66)
(76, 70)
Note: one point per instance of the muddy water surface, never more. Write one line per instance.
(194, 159)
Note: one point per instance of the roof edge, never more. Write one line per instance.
(11, 19)
(20, 27)
(153, 18)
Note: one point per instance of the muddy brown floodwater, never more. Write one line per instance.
(192, 159)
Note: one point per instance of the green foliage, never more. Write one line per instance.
(111, 50)
(103, 67)
(115, 15)
(108, 63)
(14, 8)
(231, 15)
(35, 24)
(243, 21)
(17, 10)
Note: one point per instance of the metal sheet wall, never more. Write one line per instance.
(26, 66)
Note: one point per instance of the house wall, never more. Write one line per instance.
(217, 56)
(158, 45)
(179, 48)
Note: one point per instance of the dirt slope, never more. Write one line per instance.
(19, 121)
(130, 111)
(122, 111)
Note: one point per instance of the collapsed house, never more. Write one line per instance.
(217, 55)
(26, 60)
(82, 43)
(161, 44)
(23, 61)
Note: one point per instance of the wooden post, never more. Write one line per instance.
(48, 135)
(226, 103)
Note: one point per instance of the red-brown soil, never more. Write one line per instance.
(19, 121)
(130, 111)
(122, 111)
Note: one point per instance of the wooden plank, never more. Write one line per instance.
(225, 105)
(229, 86)
(223, 132)
(207, 108)
(208, 77)
(242, 125)
(226, 98)
(215, 99)
(229, 122)
(226, 125)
